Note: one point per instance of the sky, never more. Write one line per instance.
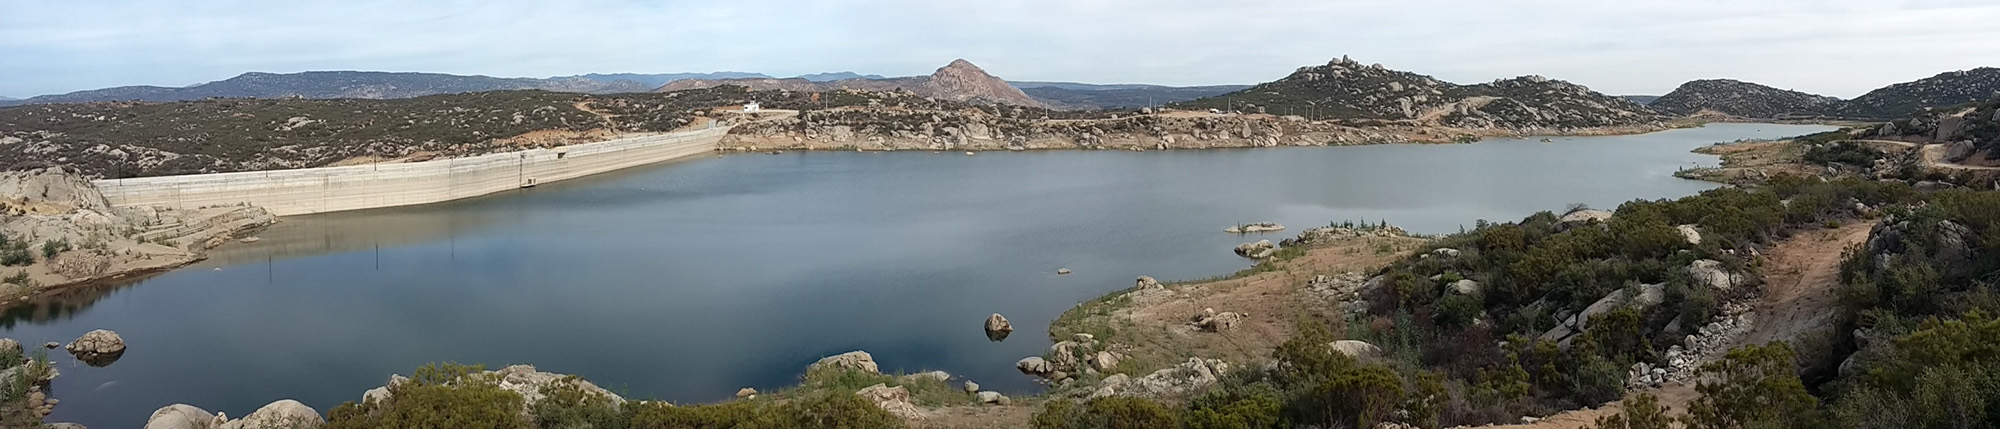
(1841, 48)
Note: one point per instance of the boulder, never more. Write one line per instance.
(97, 346)
(282, 414)
(745, 393)
(7, 346)
(182, 416)
(991, 398)
(1445, 252)
(1146, 283)
(1947, 242)
(854, 360)
(1355, 349)
(1712, 273)
(1034, 365)
(1466, 287)
(1190, 376)
(1692, 235)
(381, 394)
(997, 327)
(1212, 321)
(971, 387)
(1585, 215)
(928, 375)
(1259, 250)
(64, 425)
(1104, 361)
(1649, 295)
(895, 400)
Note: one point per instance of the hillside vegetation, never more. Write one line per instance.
(1741, 99)
(1345, 89)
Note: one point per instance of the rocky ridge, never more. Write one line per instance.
(1346, 89)
(337, 84)
(1915, 97)
(1741, 99)
(960, 81)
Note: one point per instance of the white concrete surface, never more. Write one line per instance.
(331, 189)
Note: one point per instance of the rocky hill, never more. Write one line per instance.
(1910, 98)
(1741, 99)
(959, 81)
(338, 84)
(1970, 132)
(1121, 96)
(1345, 89)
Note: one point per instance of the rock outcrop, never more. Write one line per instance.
(1255, 228)
(1649, 295)
(1911, 98)
(1355, 349)
(1179, 380)
(1258, 250)
(183, 416)
(1713, 274)
(853, 361)
(895, 400)
(1211, 321)
(281, 414)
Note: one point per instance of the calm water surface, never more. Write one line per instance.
(688, 280)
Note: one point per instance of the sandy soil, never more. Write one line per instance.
(1153, 327)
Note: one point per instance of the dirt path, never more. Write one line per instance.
(609, 119)
(1801, 298)
(1933, 155)
(1802, 285)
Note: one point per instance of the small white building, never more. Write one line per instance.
(752, 107)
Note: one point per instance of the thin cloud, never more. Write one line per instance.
(1834, 47)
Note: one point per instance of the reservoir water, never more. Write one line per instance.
(688, 280)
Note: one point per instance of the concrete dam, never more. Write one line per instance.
(332, 189)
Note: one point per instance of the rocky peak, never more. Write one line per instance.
(963, 81)
(1742, 99)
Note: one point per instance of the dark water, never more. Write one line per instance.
(689, 280)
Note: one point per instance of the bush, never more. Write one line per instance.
(51, 248)
(566, 405)
(1108, 413)
(815, 410)
(1753, 386)
(438, 396)
(1641, 412)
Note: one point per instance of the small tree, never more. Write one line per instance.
(1753, 387)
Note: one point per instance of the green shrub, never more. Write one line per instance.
(814, 410)
(437, 396)
(566, 404)
(51, 248)
(1753, 387)
(1105, 413)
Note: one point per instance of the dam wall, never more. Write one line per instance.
(332, 189)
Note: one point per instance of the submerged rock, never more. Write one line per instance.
(98, 348)
(997, 327)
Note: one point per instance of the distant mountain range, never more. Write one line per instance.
(1297, 96)
(1345, 89)
(386, 85)
(655, 80)
(338, 84)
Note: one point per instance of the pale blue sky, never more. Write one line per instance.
(1833, 47)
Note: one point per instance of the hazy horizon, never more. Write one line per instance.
(1633, 49)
